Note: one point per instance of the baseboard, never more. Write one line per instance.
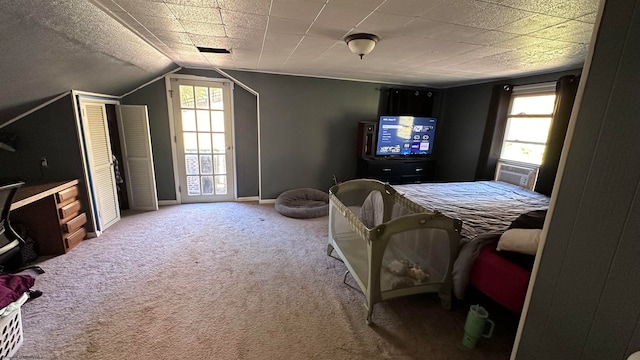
(248, 198)
(167, 202)
(267, 201)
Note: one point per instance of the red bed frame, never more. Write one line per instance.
(500, 279)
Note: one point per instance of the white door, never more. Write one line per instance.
(204, 138)
(137, 162)
(100, 163)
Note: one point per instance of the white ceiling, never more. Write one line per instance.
(437, 43)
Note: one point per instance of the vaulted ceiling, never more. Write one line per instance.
(113, 46)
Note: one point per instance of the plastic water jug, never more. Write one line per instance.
(474, 328)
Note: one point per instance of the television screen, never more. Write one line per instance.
(405, 135)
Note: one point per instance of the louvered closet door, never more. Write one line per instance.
(103, 184)
(137, 162)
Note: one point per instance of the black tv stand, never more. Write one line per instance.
(397, 170)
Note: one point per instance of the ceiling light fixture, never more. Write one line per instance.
(361, 43)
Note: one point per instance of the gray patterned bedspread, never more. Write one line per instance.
(486, 209)
(483, 206)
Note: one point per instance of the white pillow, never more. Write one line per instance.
(520, 240)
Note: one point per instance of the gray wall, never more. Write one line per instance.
(461, 127)
(308, 128)
(585, 301)
(49, 132)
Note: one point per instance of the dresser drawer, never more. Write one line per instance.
(70, 209)
(74, 238)
(75, 223)
(67, 194)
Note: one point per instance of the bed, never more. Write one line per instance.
(409, 239)
(487, 209)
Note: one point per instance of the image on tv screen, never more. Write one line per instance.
(405, 135)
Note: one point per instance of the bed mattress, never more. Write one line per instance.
(483, 206)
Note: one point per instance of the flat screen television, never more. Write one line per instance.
(405, 135)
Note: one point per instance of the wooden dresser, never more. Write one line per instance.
(53, 214)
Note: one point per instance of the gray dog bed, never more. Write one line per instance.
(303, 203)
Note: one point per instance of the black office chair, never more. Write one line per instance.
(10, 241)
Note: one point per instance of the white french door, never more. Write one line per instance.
(204, 138)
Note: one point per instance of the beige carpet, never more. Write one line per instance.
(227, 281)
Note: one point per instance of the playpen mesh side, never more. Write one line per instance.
(415, 257)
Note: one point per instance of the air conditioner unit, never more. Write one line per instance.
(517, 175)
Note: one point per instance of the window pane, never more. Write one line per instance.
(206, 166)
(204, 124)
(204, 139)
(533, 105)
(528, 129)
(218, 143)
(186, 96)
(202, 97)
(190, 142)
(207, 185)
(221, 184)
(217, 121)
(527, 153)
(188, 120)
(216, 99)
(193, 185)
(191, 164)
(220, 165)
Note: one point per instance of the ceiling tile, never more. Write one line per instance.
(180, 47)
(575, 8)
(296, 9)
(335, 15)
(359, 4)
(258, 7)
(408, 7)
(192, 13)
(490, 37)
(494, 16)
(382, 24)
(250, 21)
(288, 26)
(243, 32)
(245, 44)
(173, 36)
(455, 12)
(312, 47)
(565, 9)
(439, 30)
(200, 28)
(152, 22)
(569, 31)
(198, 3)
(589, 18)
(334, 32)
(531, 23)
(518, 42)
(144, 7)
(209, 41)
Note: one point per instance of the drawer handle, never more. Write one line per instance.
(386, 169)
(418, 169)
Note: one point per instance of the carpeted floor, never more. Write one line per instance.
(228, 281)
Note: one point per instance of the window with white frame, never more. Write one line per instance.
(528, 123)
